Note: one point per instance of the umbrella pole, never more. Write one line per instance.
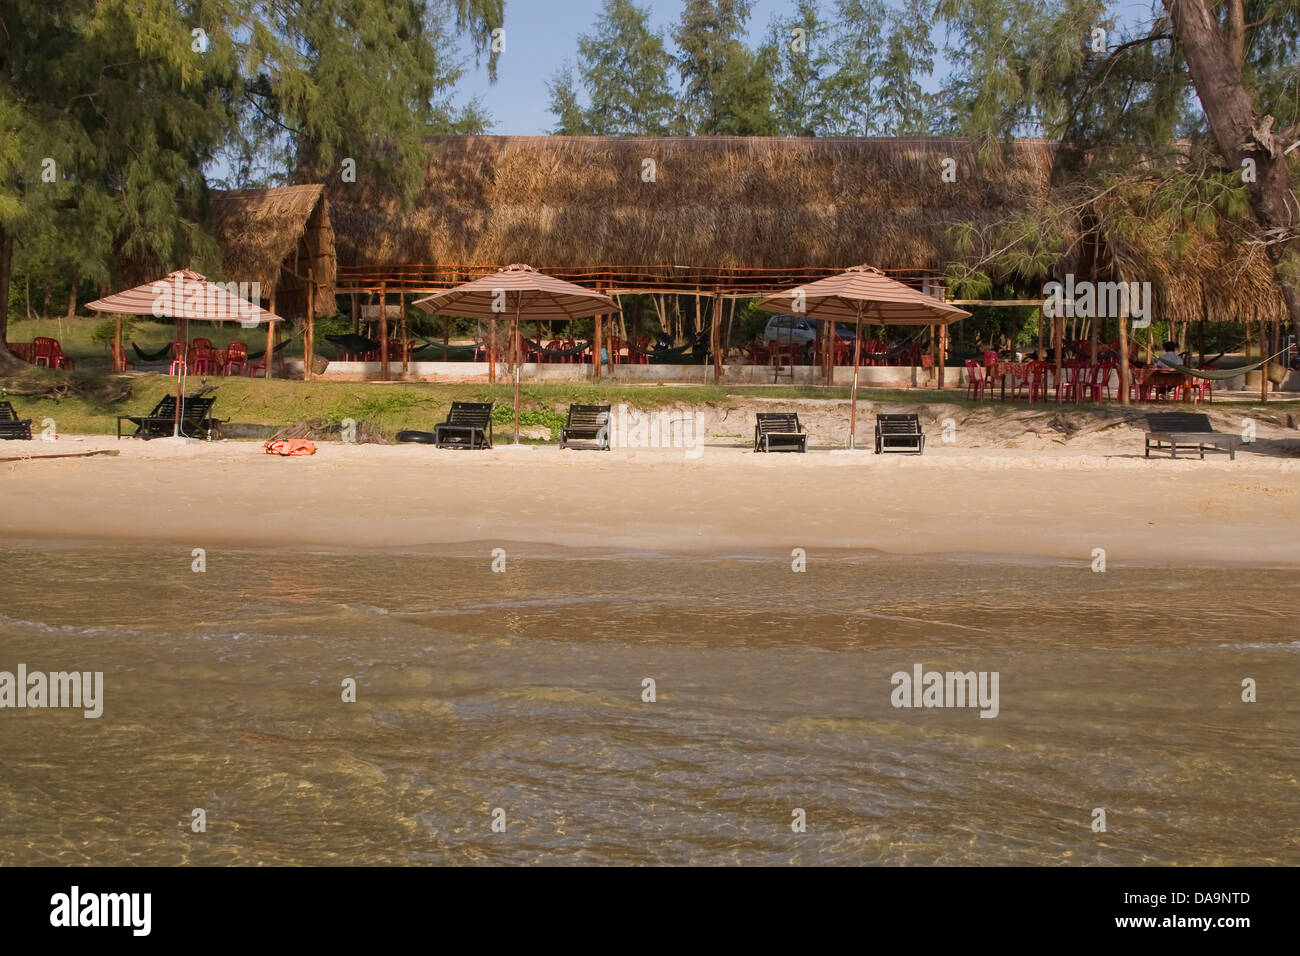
(514, 356)
(853, 406)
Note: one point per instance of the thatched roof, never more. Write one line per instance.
(573, 204)
(273, 236)
(728, 202)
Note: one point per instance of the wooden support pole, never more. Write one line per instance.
(1094, 333)
(119, 360)
(383, 331)
(270, 348)
(1265, 350)
(943, 351)
(356, 315)
(492, 350)
(406, 340)
(1125, 376)
(934, 352)
(1058, 338)
(446, 332)
(597, 346)
(309, 354)
(715, 335)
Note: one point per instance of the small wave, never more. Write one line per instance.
(1264, 646)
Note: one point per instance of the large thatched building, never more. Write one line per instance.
(736, 215)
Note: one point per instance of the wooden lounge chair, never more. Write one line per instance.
(900, 434)
(13, 427)
(587, 423)
(779, 431)
(468, 425)
(196, 419)
(1187, 430)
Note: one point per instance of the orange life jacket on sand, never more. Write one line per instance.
(289, 447)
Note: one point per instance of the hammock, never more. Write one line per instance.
(446, 349)
(352, 342)
(1218, 374)
(698, 348)
(276, 350)
(158, 356)
(559, 353)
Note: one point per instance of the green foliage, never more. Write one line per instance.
(726, 86)
(625, 72)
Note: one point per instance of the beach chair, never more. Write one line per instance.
(196, 419)
(900, 434)
(587, 423)
(1187, 430)
(11, 426)
(468, 425)
(779, 431)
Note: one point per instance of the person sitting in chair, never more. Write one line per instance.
(1170, 357)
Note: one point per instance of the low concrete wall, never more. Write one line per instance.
(883, 376)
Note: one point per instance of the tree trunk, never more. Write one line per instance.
(72, 299)
(1214, 63)
(6, 262)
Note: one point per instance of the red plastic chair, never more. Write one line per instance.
(236, 362)
(43, 351)
(1098, 385)
(1036, 382)
(1071, 382)
(990, 358)
(640, 358)
(203, 358)
(976, 379)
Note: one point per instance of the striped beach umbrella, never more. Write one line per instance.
(857, 293)
(515, 290)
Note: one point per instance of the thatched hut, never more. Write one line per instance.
(281, 239)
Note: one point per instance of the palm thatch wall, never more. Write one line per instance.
(281, 238)
(575, 205)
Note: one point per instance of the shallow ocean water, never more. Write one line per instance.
(523, 691)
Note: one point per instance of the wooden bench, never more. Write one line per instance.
(900, 434)
(196, 419)
(779, 431)
(468, 425)
(588, 423)
(11, 426)
(1187, 430)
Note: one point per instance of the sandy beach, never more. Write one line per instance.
(1003, 488)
